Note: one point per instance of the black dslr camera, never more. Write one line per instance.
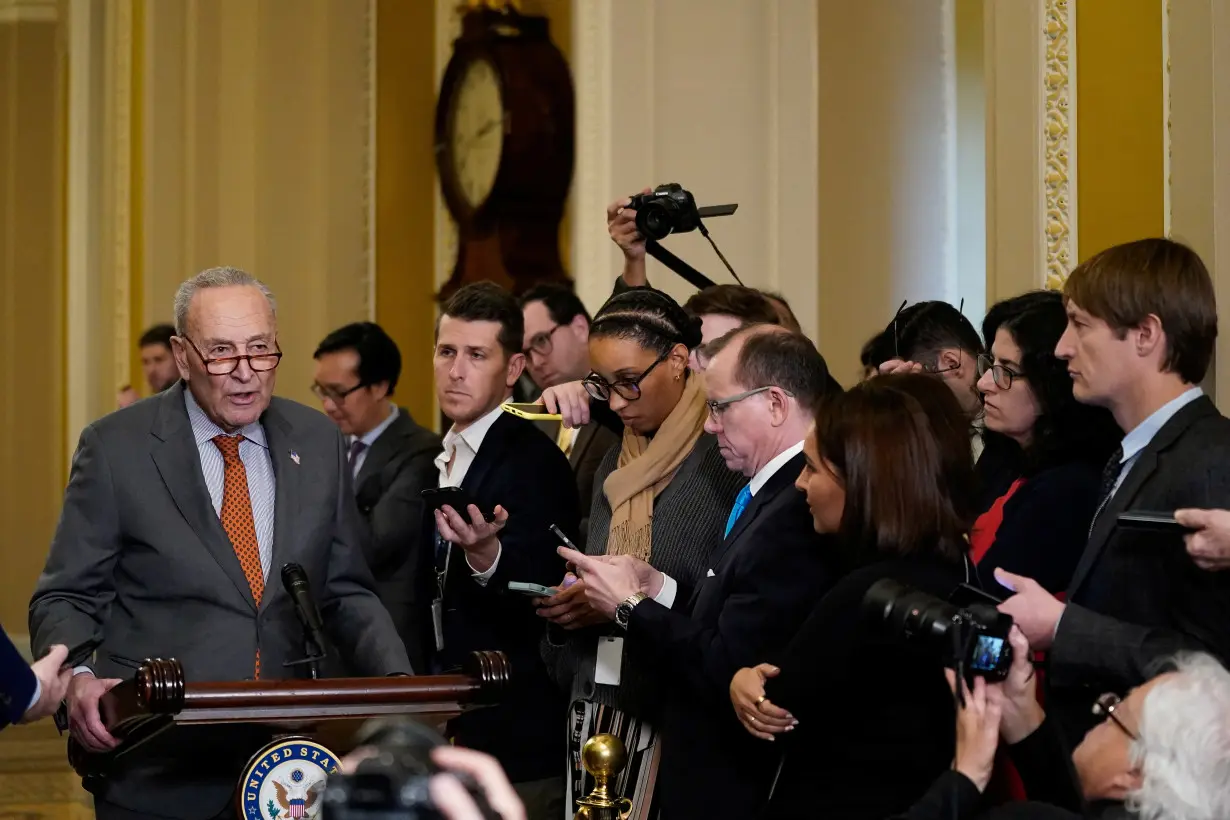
(973, 639)
(393, 784)
(668, 209)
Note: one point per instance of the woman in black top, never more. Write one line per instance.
(863, 714)
(1040, 472)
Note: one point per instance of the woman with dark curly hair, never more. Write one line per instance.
(1041, 470)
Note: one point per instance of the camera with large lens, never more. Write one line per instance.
(393, 783)
(972, 640)
(666, 210)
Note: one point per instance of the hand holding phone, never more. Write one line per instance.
(457, 498)
(1160, 522)
(533, 412)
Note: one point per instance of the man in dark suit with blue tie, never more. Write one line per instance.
(762, 384)
(30, 692)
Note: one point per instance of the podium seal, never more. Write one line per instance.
(285, 780)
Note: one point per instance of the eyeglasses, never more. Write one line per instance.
(225, 365)
(626, 389)
(541, 343)
(335, 396)
(718, 406)
(1000, 374)
(1105, 706)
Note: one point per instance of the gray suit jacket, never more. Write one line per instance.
(141, 567)
(388, 488)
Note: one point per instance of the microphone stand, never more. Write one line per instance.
(313, 655)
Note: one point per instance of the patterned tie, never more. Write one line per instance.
(237, 520)
(357, 446)
(741, 501)
(1110, 476)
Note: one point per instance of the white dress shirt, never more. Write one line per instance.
(461, 448)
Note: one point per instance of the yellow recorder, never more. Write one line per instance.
(533, 412)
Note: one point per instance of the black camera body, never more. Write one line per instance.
(666, 210)
(973, 640)
(394, 783)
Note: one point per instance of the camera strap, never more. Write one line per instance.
(688, 273)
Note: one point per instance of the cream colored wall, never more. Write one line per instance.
(720, 96)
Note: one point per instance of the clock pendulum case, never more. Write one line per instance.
(504, 149)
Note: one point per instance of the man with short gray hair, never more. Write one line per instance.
(178, 514)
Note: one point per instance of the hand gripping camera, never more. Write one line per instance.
(972, 640)
(669, 209)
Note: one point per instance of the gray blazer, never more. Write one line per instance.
(141, 567)
(689, 525)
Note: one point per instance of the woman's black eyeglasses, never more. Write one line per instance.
(626, 389)
(1105, 706)
(1000, 374)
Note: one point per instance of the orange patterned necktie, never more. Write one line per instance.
(238, 522)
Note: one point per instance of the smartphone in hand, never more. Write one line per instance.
(532, 590)
(457, 498)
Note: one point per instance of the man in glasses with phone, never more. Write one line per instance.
(556, 348)
(519, 483)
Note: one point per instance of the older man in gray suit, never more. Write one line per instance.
(178, 514)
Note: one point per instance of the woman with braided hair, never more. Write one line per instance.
(662, 496)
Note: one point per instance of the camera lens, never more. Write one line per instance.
(907, 610)
(656, 220)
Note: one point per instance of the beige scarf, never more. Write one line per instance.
(644, 469)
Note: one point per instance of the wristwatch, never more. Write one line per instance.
(623, 612)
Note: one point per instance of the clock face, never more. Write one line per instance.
(476, 131)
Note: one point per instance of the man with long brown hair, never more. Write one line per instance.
(1142, 321)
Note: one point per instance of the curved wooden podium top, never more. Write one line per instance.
(159, 697)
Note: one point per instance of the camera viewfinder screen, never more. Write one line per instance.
(987, 652)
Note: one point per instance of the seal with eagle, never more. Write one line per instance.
(295, 800)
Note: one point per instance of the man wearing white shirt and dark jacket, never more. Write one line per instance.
(1142, 321)
(523, 481)
(392, 460)
(761, 385)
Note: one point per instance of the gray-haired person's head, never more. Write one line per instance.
(226, 346)
(219, 277)
(1182, 749)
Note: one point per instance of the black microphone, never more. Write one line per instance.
(295, 582)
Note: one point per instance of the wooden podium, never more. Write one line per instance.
(158, 697)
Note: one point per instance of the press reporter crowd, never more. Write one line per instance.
(727, 506)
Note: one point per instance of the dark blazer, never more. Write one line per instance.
(591, 445)
(1137, 598)
(1045, 523)
(17, 682)
(766, 578)
(140, 566)
(875, 714)
(388, 489)
(520, 469)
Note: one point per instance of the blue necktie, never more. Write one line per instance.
(741, 502)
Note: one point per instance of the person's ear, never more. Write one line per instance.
(779, 406)
(380, 390)
(179, 349)
(678, 360)
(1125, 783)
(949, 359)
(580, 327)
(516, 366)
(1149, 334)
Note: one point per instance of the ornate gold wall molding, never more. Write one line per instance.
(1059, 143)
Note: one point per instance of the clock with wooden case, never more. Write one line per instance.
(504, 149)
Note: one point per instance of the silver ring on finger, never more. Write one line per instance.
(754, 719)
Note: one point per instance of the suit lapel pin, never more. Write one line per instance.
(294, 457)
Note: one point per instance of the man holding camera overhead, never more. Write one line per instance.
(515, 483)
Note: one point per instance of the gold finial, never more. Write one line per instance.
(604, 757)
